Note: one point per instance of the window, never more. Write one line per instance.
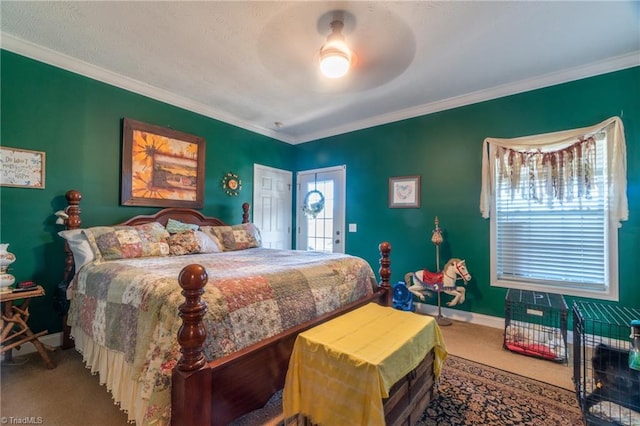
(556, 245)
(320, 228)
(554, 214)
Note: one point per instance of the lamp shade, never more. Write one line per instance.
(335, 56)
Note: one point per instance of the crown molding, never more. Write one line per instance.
(51, 57)
(68, 63)
(590, 70)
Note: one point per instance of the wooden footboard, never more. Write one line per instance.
(222, 390)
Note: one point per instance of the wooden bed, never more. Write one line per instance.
(219, 391)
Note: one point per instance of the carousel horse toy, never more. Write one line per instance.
(425, 281)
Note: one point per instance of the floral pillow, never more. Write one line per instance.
(192, 242)
(236, 237)
(125, 242)
(183, 243)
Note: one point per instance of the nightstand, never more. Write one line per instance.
(13, 325)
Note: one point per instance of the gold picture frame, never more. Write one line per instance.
(161, 167)
(404, 192)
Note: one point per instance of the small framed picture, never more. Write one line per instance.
(404, 192)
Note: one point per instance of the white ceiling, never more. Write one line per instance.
(254, 64)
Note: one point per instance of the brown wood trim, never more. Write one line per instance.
(183, 215)
(385, 272)
(73, 221)
(176, 213)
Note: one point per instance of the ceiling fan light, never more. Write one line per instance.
(335, 56)
(334, 63)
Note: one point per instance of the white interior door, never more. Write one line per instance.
(272, 200)
(325, 232)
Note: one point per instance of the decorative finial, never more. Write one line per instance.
(436, 236)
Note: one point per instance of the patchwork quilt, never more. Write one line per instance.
(130, 306)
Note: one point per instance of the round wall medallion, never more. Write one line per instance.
(231, 184)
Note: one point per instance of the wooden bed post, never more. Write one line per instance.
(245, 212)
(72, 222)
(385, 272)
(191, 383)
(192, 333)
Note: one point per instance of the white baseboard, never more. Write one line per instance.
(463, 316)
(54, 340)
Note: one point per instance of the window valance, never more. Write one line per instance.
(554, 159)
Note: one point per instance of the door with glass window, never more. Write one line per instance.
(321, 209)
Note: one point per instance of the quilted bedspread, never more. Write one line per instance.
(129, 306)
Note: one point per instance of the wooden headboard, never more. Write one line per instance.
(74, 221)
(183, 215)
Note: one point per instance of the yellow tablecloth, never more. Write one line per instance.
(339, 371)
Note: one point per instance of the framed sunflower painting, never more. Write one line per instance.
(161, 167)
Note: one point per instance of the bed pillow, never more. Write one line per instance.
(209, 232)
(175, 226)
(125, 242)
(236, 237)
(183, 243)
(206, 243)
(79, 246)
(192, 242)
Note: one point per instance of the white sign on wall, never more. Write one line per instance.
(22, 168)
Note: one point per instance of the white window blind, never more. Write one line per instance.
(546, 242)
(556, 201)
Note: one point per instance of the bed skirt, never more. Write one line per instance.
(114, 372)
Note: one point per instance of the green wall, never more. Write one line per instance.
(445, 148)
(77, 122)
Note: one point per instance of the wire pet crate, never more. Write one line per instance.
(608, 389)
(536, 324)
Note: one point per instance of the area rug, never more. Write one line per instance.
(469, 393)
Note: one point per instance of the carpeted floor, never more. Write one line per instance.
(474, 394)
(70, 396)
